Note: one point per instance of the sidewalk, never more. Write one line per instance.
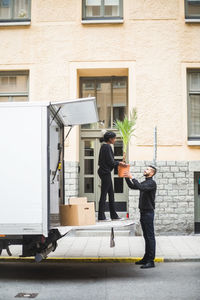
(127, 249)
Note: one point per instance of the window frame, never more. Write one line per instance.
(10, 95)
(189, 18)
(106, 79)
(102, 18)
(17, 20)
(189, 92)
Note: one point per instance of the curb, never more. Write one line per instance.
(95, 259)
(186, 259)
(77, 259)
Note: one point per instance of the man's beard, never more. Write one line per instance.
(145, 175)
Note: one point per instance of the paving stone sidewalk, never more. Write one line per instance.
(177, 248)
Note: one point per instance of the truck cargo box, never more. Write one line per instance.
(31, 144)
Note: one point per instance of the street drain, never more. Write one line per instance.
(26, 295)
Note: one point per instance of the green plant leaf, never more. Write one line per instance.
(126, 128)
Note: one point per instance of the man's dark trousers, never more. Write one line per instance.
(147, 223)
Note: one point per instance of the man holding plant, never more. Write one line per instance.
(147, 190)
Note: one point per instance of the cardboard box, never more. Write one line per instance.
(77, 200)
(77, 215)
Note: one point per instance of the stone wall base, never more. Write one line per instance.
(71, 179)
(174, 213)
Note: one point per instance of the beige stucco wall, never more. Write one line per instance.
(153, 46)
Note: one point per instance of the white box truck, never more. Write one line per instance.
(31, 152)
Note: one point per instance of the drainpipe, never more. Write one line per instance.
(155, 146)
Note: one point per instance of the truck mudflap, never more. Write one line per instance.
(6, 241)
(4, 244)
(40, 246)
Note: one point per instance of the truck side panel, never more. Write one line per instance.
(23, 170)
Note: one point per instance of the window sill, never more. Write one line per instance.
(192, 20)
(102, 21)
(23, 23)
(194, 143)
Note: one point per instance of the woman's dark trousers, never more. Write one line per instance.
(147, 223)
(106, 188)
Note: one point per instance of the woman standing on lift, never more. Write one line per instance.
(106, 165)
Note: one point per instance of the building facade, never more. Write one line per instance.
(126, 53)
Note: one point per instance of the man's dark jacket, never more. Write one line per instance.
(147, 192)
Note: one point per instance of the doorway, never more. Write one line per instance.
(111, 95)
(90, 185)
(197, 201)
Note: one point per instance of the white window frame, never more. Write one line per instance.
(191, 140)
(102, 19)
(10, 95)
(16, 21)
(95, 80)
(188, 18)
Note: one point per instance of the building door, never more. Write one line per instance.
(111, 95)
(197, 201)
(90, 184)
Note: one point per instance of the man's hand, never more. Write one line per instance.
(127, 174)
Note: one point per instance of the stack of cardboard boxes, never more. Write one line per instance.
(77, 213)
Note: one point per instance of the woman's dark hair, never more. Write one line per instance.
(101, 140)
(109, 135)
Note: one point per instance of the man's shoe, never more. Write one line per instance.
(148, 265)
(141, 262)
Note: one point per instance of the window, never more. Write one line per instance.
(15, 10)
(194, 104)
(102, 10)
(13, 86)
(111, 95)
(192, 9)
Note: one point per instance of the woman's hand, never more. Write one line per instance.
(121, 163)
(127, 174)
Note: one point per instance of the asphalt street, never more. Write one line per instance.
(98, 281)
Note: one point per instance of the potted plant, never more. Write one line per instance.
(126, 130)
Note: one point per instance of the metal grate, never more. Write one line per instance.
(26, 295)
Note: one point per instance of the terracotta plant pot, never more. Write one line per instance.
(122, 170)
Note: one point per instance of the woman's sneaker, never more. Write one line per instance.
(104, 220)
(117, 219)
